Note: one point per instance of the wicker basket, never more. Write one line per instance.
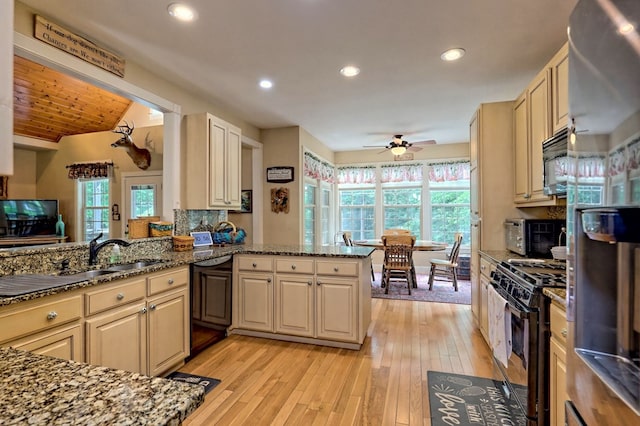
(138, 228)
(160, 229)
(182, 243)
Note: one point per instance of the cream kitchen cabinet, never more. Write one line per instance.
(559, 66)
(212, 163)
(305, 299)
(487, 266)
(491, 146)
(539, 112)
(149, 315)
(50, 326)
(558, 365)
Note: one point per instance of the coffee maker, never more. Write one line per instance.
(607, 319)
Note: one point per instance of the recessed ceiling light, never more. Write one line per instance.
(350, 71)
(626, 28)
(452, 54)
(182, 12)
(266, 84)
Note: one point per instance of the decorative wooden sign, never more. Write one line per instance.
(280, 174)
(82, 48)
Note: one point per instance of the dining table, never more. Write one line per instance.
(420, 245)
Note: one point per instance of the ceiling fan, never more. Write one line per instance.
(398, 146)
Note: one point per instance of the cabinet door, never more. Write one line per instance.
(336, 309)
(62, 342)
(539, 131)
(169, 328)
(521, 149)
(475, 271)
(484, 304)
(118, 339)
(560, 89)
(294, 305)
(225, 150)
(255, 301)
(557, 382)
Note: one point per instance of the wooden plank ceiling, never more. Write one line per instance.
(49, 105)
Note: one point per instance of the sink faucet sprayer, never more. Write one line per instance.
(95, 247)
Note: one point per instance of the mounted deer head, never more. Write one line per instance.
(141, 156)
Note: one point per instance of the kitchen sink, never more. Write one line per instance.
(133, 265)
(81, 276)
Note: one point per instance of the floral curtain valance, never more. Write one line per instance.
(450, 171)
(90, 170)
(356, 175)
(401, 173)
(318, 169)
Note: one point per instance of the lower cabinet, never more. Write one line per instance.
(558, 365)
(301, 297)
(148, 316)
(61, 342)
(487, 266)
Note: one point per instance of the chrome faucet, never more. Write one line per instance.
(95, 247)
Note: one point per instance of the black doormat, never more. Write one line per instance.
(455, 399)
(207, 382)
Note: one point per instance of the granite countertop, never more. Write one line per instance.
(172, 259)
(41, 390)
(558, 295)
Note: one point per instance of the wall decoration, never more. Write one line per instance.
(246, 201)
(280, 200)
(141, 156)
(281, 174)
(4, 187)
(80, 47)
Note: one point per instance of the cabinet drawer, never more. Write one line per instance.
(261, 264)
(298, 266)
(486, 267)
(168, 280)
(337, 268)
(558, 320)
(39, 317)
(100, 300)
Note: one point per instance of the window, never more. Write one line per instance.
(450, 212)
(357, 213)
(95, 210)
(402, 209)
(309, 213)
(319, 177)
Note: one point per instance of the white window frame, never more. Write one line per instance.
(80, 207)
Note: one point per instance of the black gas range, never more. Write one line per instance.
(526, 377)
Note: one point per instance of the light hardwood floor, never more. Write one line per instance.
(267, 382)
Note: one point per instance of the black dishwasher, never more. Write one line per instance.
(210, 301)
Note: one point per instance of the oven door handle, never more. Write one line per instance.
(515, 307)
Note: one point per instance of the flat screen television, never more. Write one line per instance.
(28, 218)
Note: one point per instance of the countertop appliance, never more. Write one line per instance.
(533, 237)
(603, 207)
(210, 301)
(526, 378)
(556, 164)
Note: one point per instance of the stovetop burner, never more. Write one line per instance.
(524, 280)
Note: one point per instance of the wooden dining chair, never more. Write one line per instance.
(447, 269)
(398, 260)
(348, 241)
(396, 231)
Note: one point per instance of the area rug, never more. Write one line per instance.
(442, 291)
(455, 399)
(207, 382)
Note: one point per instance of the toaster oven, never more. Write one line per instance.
(533, 237)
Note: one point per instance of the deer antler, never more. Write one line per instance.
(125, 130)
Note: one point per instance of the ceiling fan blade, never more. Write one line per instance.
(428, 142)
(414, 149)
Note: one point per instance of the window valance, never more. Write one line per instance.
(90, 170)
(316, 168)
(450, 171)
(357, 175)
(401, 173)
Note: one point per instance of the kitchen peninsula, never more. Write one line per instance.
(64, 322)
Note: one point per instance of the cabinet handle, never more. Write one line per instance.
(170, 281)
(564, 332)
(143, 310)
(318, 282)
(293, 267)
(255, 265)
(52, 315)
(527, 196)
(120, 296)
(310, 282)
(268, 280)
(336, 269)
(483, 267)
(152, 307)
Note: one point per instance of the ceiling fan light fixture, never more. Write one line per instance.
(398, 150)
(350, 71)
(182, 12)
(452, 54)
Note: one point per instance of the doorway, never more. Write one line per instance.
(141, 195)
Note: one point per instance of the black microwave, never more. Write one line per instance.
(556, 164)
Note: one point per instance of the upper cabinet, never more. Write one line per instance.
(212, 163)
(538, 112)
